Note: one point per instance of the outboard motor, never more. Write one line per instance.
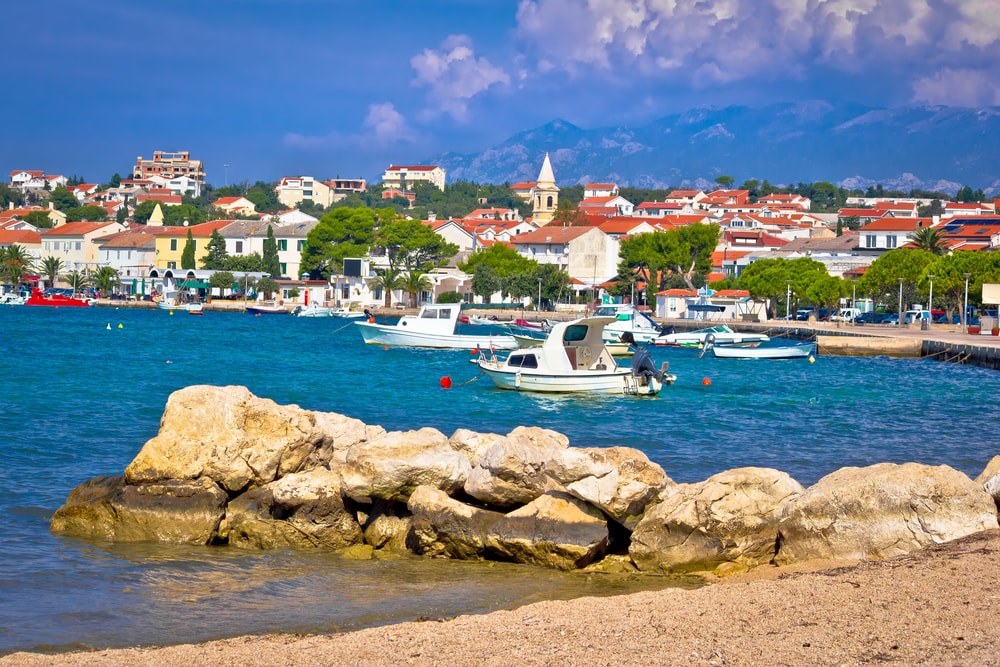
(368, 314)
(643, 366)
(664, 330)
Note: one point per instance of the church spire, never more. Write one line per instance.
(545, 194)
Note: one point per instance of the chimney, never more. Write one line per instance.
(52, 206)
(431, 216)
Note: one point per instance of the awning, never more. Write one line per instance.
(193, 284)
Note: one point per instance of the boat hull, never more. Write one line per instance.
(620, 382)
(775, 352)
(55, 301)
(383, 334)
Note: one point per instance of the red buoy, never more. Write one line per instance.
(706, 381)
(446, 382)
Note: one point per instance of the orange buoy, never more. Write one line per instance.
(475, 351)
(385, 347)
(446, 382)
(706, 381)
(371, 320)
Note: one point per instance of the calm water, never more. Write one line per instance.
(79, 400)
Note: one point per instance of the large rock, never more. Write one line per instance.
(990, 479)
(731, 517)
(392, 466)
(175, 511)
(387, 526)
(620, 481)
(882, 511)
(300, 510)
(472, 444)
(443, 526)
(554, 530)
(229, 435)
(512, 471)
(342, 433)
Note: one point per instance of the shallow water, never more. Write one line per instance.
(78, 399)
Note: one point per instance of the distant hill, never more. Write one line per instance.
(933, 148)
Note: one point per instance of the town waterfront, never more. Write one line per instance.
(83, 389)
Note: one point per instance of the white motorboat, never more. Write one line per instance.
(434, 326)
(312, 310)
(266, 308)
(574, 358)
(804, 350)
(721, 335)
(628, 319)
(173, 304)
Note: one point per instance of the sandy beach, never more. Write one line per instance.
(932, 607)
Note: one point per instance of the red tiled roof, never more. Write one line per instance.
(551, 234)
(75, 228)
(894, 224)
(20, 236)
(422, 167)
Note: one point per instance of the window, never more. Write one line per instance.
(345, 292)
(526, 360)
(173, 246)
(300, 245)
(282, 244)
(171, 265)
(869, 240)
(239, 247)
(284, 268)
(79, 245)
(890, 241)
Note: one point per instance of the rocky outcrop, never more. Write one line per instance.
(620, 481)
(392, 466)
(882, 511)
(990, 479)
(172, 511)
(731, 517)
(300, 510)
(232, 437)
(227, 467)
(511, 472)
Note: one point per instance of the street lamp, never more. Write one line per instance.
(965, 308)
(788, 299)
(930, 299)
(900, 322)
(538, 307)
(854, 299)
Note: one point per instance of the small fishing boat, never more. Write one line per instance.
(38, 298)
(804, 350)
(266, 308)
(628, 319)
(492, 319)
(574, 358)
(434, 326)
(171, 304)
(722, 335)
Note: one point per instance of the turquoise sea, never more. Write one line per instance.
(79, 399)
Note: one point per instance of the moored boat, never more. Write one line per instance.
(803, 350)
(721, 335)
(189, 306)
(574, 358)
(628, 319)
(266, 308)
(434, 326)
(38, 298)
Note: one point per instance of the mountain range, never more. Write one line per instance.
(926, 147)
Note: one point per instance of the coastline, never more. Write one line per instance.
(931, 607)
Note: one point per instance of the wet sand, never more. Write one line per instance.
(932, 607)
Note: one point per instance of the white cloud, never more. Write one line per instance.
(957, 88)
(383, 126)
(718, 42)
(454, 75)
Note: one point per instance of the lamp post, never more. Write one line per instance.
(788, 299)
(930, 300)
(854, 299)
(538, 307)
(900, 322)
(965, 307)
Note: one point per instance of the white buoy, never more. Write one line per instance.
(109, 326)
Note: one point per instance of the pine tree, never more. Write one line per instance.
(272, 266)
(187, 255)
(215, 252)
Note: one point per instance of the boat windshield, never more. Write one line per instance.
(575, 332)
(436, 313)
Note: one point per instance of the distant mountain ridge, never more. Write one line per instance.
(926, 147)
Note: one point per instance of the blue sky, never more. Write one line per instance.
(333, 88)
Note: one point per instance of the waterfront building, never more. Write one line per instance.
(402, 177)
(170, 243)
(73, 243)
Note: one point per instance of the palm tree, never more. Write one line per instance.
(929, 239)
(414, 283)
(51, 268)
(105, 279)
(15, 263)
(77, 280)
(388, 280)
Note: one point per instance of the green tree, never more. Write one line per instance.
(52, 266)
(187, 254)
(178, 214)
(949, 277)
(827, 290)
(143, 211)
(500, 268)
(121, 215)
(15, 263)
(343, 232)
(215, 252)
(640, 261)
(104, 279)
(268, 286)
(687, 251)
(779, 279)
(222, 280)
(413, 246)
(89, 213)
(929, 239)
(116, 181)
(725, 182)
(63, 199)
(271, 264)
(387, 280)
(414, 283)
(39, 219)
(882, 279)
(77, 280)
(252, 263)
(10, 196)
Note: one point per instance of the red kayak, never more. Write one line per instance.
(38, 298)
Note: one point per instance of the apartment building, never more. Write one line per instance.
(293, 190)
(171, 166)
(403, 178)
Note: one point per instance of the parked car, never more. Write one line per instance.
(914, 316)
(845, 315)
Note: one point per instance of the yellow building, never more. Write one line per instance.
(170, 243)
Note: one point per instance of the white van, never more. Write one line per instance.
(916, 316)
(845, 315)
